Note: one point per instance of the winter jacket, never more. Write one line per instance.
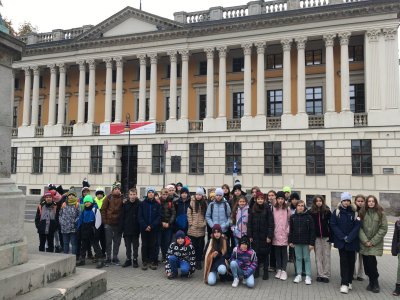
(99, 202)
(260, 227)
(322, 223)
(345, 225)
(211, 263)
(69, 215)
(149, 215)
(373, 229)
(40, 221)
(184, 252)
(396, 239)
(246, 260)
(111, 209)
(196, 220)
(242, 219)
(168, 212)
(302, 230)
(181, 208)
(129, 219)
(220, 214)
(88, 223)
(281, 222)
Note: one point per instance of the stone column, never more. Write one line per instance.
(210, 83)
(27, 97)
(61, 94)
(287, 90)
(52, 96)
(301, 75)
(330, 72)
(82, 92)
(172, 85)
(222, 82)
(392, 81)
(247, 48)
(344, 70)
(153, 86)
(142, 87)
(35, 96)
(185, 84)
(108, 96)
(260, 79)
(118, 90)
(92, 90)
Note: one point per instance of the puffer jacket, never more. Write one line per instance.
(129, 219)
(281, 231)
(184, 252)
(396, 239)
(111, 209)
(54, 215)
(373, 229)
(322, 223)
(221, 212)
(196, 220)
(260, 227)
(246, 260)
(69, 215)
(168, 212)
(302, 230)
(242, 219)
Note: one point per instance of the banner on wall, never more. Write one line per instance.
(135, 128)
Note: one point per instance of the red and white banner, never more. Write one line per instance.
(135, 128)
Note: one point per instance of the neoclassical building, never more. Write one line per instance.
(284, 92)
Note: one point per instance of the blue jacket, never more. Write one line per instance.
(219, 213)
(149, 215)
(181, 207)
(345, 225)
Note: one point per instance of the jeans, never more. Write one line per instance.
(112, 237)
(177, 263)
(347, 261)
(237, 272)
(302, 252)
(212, 276)
(166, 236)
(131, 242)
(67, 239)
(281, 256)
(371, 267)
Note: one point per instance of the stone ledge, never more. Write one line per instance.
(13, 254)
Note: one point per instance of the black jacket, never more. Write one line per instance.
(302, 229)
(322, 223)
(260, 227)
(168, 212)
(41, 224)
(396, 239)
(128, 220)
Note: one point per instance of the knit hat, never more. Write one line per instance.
(99, 190)
(280, 194)
(294, 195)
(260, 195)
(245, 240)
(237, 183)
(185, 190)
(216, 227)
(345, 196)
(150, 189)
(85, 182)
(88, 198)
(170, 186)
(85, 188)
(287, 189)
(219, 192)
(48, 194)
(200, 191)
(179, 184)
(71, 191)
(51, 186)
(180, 234)
(116, 185)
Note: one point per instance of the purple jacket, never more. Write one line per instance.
(242, 218)
(246, 260)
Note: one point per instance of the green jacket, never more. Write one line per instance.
(373, 230)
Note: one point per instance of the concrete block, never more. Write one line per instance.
(253, 123)
(299, 121)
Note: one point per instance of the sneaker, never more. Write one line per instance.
(319, 279)
(235, 282)
(127, 263)
(144, 266)
(325, 280)
(107, 262)
(350, 286)
(359, 278)
(283, 275)
(344, 289)
(154, 266)
(81, 262)
(135, 263)
(308, 280)
(297, 279)
(116, 262)
(57, 249)
(244, 281)
(278, 274)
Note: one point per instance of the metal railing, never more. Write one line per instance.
(96, 129)
(360, 119)
(273, 122)
(39, 131)
(68, 130)
(233, 124)
(160, 127)
(316, 121)
(196, 126)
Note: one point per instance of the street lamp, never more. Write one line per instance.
(128, 129)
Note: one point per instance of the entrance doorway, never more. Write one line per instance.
(128, 180)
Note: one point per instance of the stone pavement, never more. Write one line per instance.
(129, 283)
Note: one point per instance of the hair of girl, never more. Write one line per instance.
(377, 208)
(315, 208)
(235, 208)
(284, 204)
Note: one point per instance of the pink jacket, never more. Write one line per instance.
(281, 231)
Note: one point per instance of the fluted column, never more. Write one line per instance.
(222, 51)
(287, 90)
(210, 82)
(185, 84)
(153, 86)
(108, 98)
(391, 56)
(61, 94)
(172, 85)
(330, 72)
(247, 48)
(344, 70)
(301, 75)
(142, 87)
(27, 97)
(118, 90)
(52, 96)
(92, 90)
(35, 96)
(82, 91)
(260, 79)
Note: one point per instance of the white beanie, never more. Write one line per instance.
(219, 192)
(200, 191)
(345, 196)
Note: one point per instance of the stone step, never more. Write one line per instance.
(39, 271)
(84, 284)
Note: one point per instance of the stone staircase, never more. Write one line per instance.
(31, 205)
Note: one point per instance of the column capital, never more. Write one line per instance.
(82, 65)
(329, 39)
(52, 68)
(344, 38)
(222, 51)
(301, 43)
(172, 55)
(286, 44)
(109, 62)
(27, 70)
(153, 58)
(61, 67)
(373, 35)
(210, 52)
(260, 47)
(118, 61)
(92, 63)
(35, 70)
(247, 47)
(142, 59)
(389, 33)
(185, 54)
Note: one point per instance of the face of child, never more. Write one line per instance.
(271, 197)
(178, 188)
(180, 241)
(294, 202)
(218, 198)
(48, 199)
(243, 247)
(184, 196)
(280, 201)
(132, 196)
(199, 197)
(116, 191)
(87, 204)
(260, 200)
(157, 197)
(371, 202)
(237, 192)
(84, 193)
(150, 195)
(242, 203)
(360, 202)
(71, 197)
(253, 193)
(217, 234)
(100, 196)
(171, 191)
(300, 207)
(346, 203)
(318, 202)
(164, 196)
(287, 195)
(225, 189)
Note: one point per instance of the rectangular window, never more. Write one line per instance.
(87, 76)
(313, 57)
(37, 160)
(41, 82)
(275, 61)
(17, 84)
(272, 158)
(113, 110)
(356, 53)
(86, 111)
(178, 108)
(14, 153)
(233, 154)
(315, 158)
(178, 70)
(361, 157)
(274, 103)
(357, 98)
(314, 105)
(238, 64)
(114, 76)
(148, 72)
(40, 115)
(157, 159)
(238, 105)
(96, 159)
(196, 158)
(65, 159)
(15, 117)
(203, 68)
(202, 107)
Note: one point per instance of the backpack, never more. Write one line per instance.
(225, 208)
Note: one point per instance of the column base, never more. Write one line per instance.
(83, 129)
(388, 117)
(299, 121)
(177, 126)
(26, 131)
(214, 125)
(53, 130)
(253, 123)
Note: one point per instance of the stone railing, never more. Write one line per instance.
(68, 130)
(316, 121)
(197, 17)
(313, 3)
(160, 127)
(274, 123)
(96, 129)
(275, 6)
(360, 119)
(235, 12)
(55, 35)
(195, 126)
(233, 125)
(14, 133)
(39, 131)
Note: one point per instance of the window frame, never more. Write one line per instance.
(96, 159)
(37, 160)
(315, 100)
(230, 157)
(237, 105)
(202, 68)
(237, 64)
(316, 158)
(65, 160)
(157, 155)
(277, 61)
(14, 160)
(273, 160)
(196, 157)
(362, 155)
(356, 55)
(314, 54)
(357, 101)
(274, 103)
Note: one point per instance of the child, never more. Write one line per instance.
(69, 215)
(271, 201)
(236, 194)
(293, 199)
(321, 216)
(302, 239)
(345, 225)
(396, 252)
(227, 192)
(260, 232)
(243, 263)
(218, 212)
(181, 207)
(181, 255)
(240, 217)
(167, 221)
(197, 224)
(372, 232)
(253, 199)
(46, 221)
(129, 227)
(88, 223)
(214, 260)
(359, 202)
(281, 235)
(100, 197)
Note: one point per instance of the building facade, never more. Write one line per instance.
(299, 93)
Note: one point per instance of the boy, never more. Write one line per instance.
(100, 197)
(181, 207)
(129, 227)
(168, 214)
(69, 214)
(46, 222)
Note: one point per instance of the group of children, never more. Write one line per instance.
(242, 235)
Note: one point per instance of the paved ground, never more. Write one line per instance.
(129, 283)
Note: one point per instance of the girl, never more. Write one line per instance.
(260, 232)
(215, 256)
(253, 198)
(197, 224)
(281, 215)
(69, 215)
(227, 192)
(396, 252)
(359, 202)
(373, 230)
(322, 215)
(239, 217)
(302, 239)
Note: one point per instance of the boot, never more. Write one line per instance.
(375, 287)
(80, 262)
(257, 273)
(135, 263)
(265, 274)
(370, 285)
(396, 291)
(99, 264)
(127, 263)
